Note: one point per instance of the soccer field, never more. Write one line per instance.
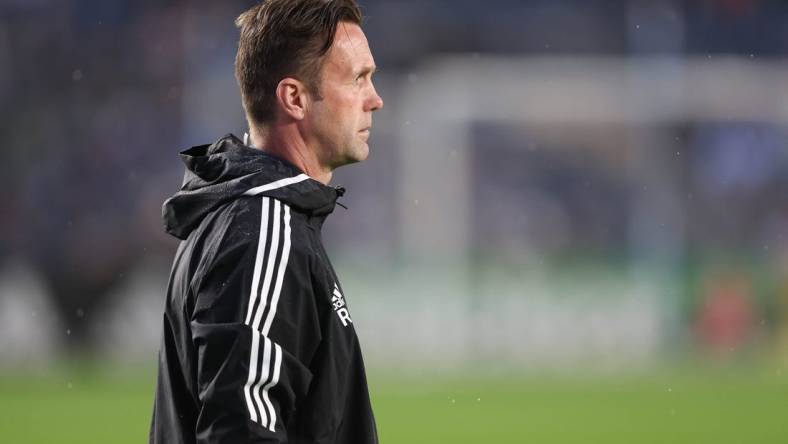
(84, 406)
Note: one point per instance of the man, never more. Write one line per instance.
(258, 343)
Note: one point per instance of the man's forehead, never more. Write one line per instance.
(350, 45)
(350, 35)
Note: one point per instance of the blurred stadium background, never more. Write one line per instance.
(573, 226)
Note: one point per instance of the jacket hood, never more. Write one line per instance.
(227, 170)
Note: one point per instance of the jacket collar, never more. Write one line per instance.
(227, 170)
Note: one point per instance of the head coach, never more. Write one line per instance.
(258, 344)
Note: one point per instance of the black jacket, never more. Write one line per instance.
(258, 345)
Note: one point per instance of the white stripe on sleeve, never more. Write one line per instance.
(281, 273)
(258, 263)
(274, 381)
(263, 377)
(252, 375)
(269, 269)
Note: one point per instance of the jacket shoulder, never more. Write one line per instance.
(250, 233)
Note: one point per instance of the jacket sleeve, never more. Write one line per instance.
(254, 328)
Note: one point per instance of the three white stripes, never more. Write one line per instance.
(256, 388)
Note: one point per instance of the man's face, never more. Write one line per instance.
(339, 125)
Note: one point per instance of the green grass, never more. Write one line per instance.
(690, 406)
(683, 408)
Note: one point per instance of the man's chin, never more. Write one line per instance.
(351, 158)
(359, 154)
(364, 153)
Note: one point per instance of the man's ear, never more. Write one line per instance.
(292, 96)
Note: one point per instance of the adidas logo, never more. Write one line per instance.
(338, 302)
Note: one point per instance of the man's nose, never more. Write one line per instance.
(375, 102)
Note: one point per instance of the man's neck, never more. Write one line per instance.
(285, 142)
